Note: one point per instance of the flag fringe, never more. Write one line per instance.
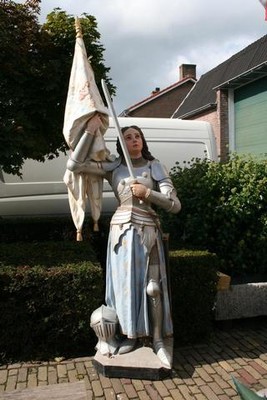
(79, 236)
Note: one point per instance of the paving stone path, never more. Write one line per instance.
(199, 372)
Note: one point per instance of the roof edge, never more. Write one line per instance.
(248, 72)
(198, 110)
(160, 93)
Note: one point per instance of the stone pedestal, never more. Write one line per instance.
(142, 363)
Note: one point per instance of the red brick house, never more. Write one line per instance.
(233, 98)
(163, 103)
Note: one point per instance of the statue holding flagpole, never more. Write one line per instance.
(83, 102)
(137, 306)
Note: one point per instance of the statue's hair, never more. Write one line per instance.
(145, 152)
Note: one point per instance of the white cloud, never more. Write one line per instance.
(147, 40)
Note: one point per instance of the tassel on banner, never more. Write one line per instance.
(96, 227)
(79, 236)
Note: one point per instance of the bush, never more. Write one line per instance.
(28, 229)
(224, 210)
(32, 229)
(46, 308)
(47, 254)
(53, 229)
(193, 287)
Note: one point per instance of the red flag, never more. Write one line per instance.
(264, 3)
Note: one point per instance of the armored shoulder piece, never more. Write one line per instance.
(109, 166)
(165, 197)
(158, 171)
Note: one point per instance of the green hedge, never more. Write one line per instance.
(58, 230)
(193, 287)
(45, 309)
(49, 254)
(45, 228)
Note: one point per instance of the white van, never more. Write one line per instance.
(41, 191)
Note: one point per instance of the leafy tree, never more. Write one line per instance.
(34, 75)
(19, 44)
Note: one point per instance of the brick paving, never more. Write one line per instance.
(199, 372)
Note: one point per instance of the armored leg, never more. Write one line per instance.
(156, 313)
(155, 303)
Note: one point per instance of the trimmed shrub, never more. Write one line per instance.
(45, 228)
(45, 309)
(30, 229)
(47, 254)
(193, 291)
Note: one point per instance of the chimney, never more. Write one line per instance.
(187, 71)
(157, 89)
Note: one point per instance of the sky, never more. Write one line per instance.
(146, 41)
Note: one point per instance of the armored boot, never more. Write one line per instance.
(156, 318)
(127, 345)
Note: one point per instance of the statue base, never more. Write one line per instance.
(141, 363)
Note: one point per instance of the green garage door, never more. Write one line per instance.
(251, 118)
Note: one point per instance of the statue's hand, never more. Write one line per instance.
(139, 190)
(94, 124)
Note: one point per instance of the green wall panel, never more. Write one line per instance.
(251, 118)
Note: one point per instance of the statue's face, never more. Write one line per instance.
(134, 142)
